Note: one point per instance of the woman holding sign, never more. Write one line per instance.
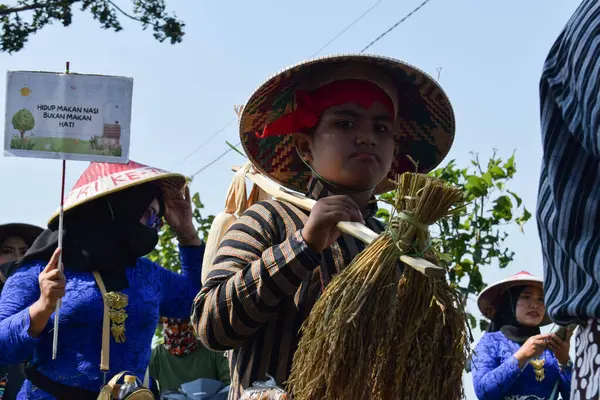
(112, 218)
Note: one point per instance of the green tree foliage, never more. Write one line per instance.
(27, 17)
(473, 238)
(23, 121)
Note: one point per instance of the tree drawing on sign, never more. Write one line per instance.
(23, 121)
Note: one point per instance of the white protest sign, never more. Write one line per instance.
(68, 116)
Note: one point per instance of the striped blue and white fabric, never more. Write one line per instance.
(568, 212)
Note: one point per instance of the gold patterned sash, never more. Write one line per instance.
(538, 368)
(116, 302)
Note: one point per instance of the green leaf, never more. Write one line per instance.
(466, 264)
(476, 281)
(497, 172)
(516, 197)
(458, 271)
(523, 219)
(487, 177)
(445, 258)
(476, 186)
(383, 215)
(503, 208)
(466, 225)
(196, 201)
(510, 163)
(510, 167)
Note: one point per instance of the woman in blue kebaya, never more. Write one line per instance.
(111, 221)
(513, 360)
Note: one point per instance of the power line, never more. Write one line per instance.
(395, 25)
(327, 44)
(215, 160)
(340, 33)
(214, 135)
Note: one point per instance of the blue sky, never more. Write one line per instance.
(491, 54)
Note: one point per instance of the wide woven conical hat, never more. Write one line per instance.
(425, 118)
(488, 299)
(101, 179)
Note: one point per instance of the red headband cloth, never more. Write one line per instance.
(311, 105)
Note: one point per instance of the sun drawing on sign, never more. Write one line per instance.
(25, 91)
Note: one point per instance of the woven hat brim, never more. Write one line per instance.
(27, 232)
(488, 298)
(425, 129)
(171, 184)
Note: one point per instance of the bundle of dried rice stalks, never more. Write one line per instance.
(378, 332)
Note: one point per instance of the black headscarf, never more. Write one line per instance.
(505, 319)
(103, 235)
(24, 231)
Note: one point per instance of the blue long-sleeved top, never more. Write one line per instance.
(153, 291)
(497, 376)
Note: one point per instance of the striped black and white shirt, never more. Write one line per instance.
(568, 213)
(261, 286)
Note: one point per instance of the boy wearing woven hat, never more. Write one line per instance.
(335, 128)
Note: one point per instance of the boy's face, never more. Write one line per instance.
(351, 146)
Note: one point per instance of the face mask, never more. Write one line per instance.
(142, 239)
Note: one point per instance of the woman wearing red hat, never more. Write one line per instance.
(513, 360)
(15, 240)
(112, 218)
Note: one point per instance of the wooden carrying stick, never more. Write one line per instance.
(354, 229)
